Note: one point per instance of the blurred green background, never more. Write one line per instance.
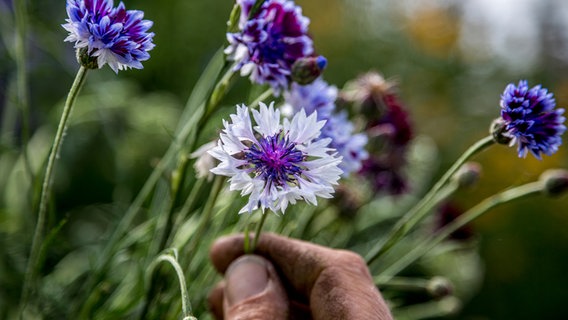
(452, 60)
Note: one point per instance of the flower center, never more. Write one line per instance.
(275, 159)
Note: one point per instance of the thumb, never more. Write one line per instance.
(253, 290)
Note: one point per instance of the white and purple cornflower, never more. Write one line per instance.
(530, 120)
(270, 42)
(109, 35)
(276, 163)
(320, 97)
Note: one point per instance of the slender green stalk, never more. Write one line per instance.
(422, 208)
(163, 228)
(190, 249)
(206, 214)
(185, 303)
(246, 243)
(481, 208)
(258, 231)
(402, 283)
(218, 92)
(34, 261)
(427, 310)
(189, 203)
(263, 96)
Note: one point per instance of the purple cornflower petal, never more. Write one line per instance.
(276, 163)
(114, 36)
(531, 120)
(268, 45)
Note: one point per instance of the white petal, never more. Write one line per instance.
(267, 120)
(304, 129)
(317, 148)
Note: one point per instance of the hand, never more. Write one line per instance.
(292, 279)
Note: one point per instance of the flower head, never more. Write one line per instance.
(270, 42)
(531, 120)
(276, 163)
(389, 130)
(350, 145)
(319, 97)
(113, 36)
(367, 93)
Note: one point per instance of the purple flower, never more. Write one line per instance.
(317, 96)
(276, 164)
(386, 172)
(389, 130)
(531, 120)
(114, 36)
(320, 97)
(349, 145)
(270, 42)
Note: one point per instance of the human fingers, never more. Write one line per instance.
(337, 283)
(251, 290)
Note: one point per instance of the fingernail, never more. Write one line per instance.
(246, 277)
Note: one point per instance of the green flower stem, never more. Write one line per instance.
(189, 203)
(164, 225)
(481, 208)
(185, 303)
(34, 259)
(432, 309)
(422, 208)
(258, 231)
(206, 215)
(218, 93)
(263, 96)
(402, 283)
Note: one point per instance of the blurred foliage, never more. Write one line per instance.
(123, 124)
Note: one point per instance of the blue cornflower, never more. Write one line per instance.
(276, 164)
(351, 146)
(113, 36)
(320, 97)
(268, 44)
(531, 120)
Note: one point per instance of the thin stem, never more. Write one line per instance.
(33, 262)
(402, 283)
(246, 243)
(421, 209)
(189, 203)
(185, 303)
(206, 214)
(473, 213)
(263, 96)
(164, 228)
(258, 231)
(217, 95)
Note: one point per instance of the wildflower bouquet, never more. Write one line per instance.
(296, 156)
